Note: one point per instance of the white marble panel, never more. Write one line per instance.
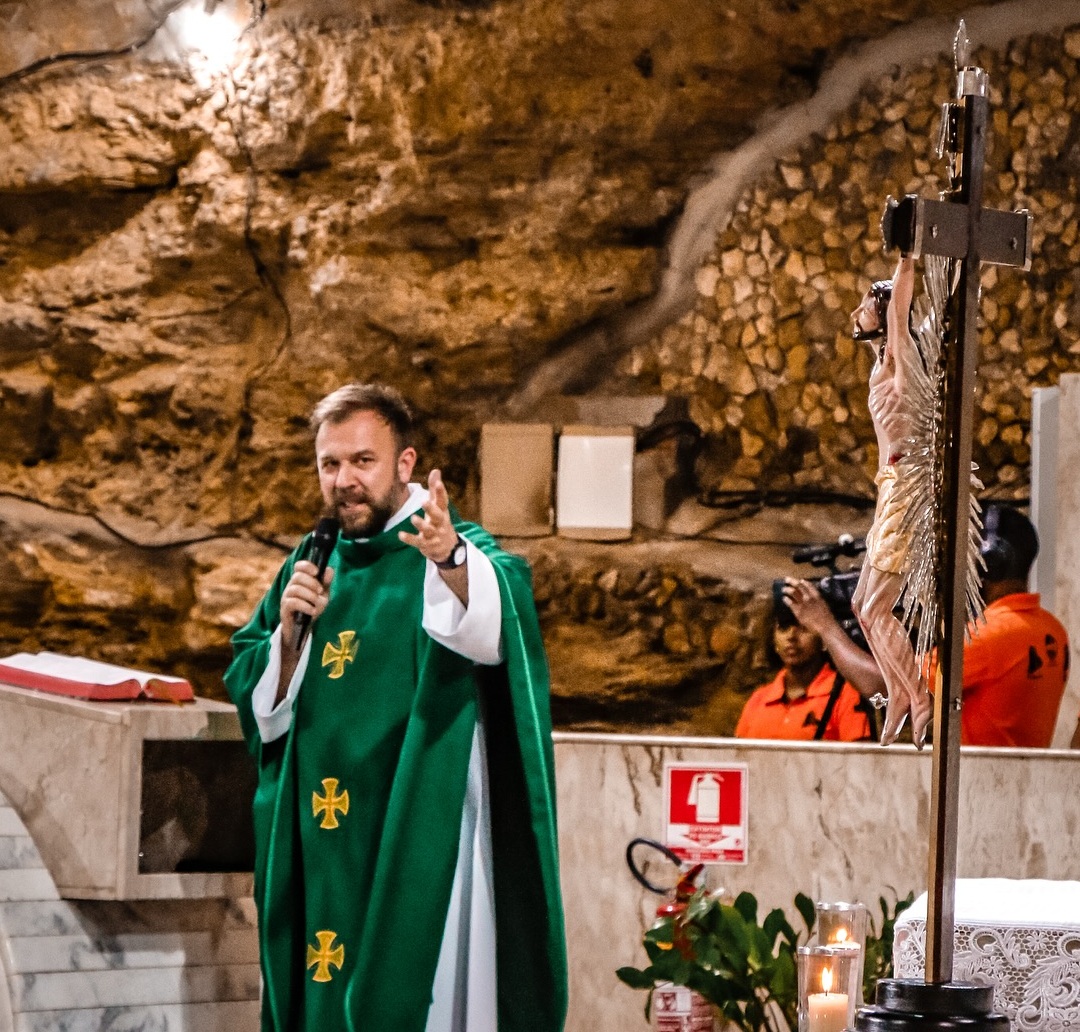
(34, 883)
(242, 912)
(29, 917)
(10, 824)
(163, 949)
(7, 1015)
(134, 988)
(839, 822)
(18, 852)
(223, 1017)
(66, 953)
(104, 917)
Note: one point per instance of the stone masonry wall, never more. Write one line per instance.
(767, 358)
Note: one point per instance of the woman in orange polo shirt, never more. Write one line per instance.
(809, 699)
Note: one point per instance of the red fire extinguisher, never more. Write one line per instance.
(675, 1008)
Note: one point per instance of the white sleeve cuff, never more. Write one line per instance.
(475, 632)
(274, 721)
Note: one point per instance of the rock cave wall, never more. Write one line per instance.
(455, 197)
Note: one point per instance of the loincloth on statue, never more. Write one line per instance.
(888, 541)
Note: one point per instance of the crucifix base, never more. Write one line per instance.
(909, 1006)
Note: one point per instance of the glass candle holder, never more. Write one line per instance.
(827, 978)
(844, 924)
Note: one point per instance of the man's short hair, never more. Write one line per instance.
(1010, 544)
(385, 402)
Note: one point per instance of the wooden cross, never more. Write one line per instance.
(330, 804)
(336, 656)
(959, 228)
(323, 957)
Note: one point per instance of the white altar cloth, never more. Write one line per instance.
(1022, 937)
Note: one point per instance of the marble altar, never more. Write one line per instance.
(130, 800)
(125, 867)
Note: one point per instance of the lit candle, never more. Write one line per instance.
(828, 1012)
(843, 940)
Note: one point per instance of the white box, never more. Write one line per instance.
(595, 483)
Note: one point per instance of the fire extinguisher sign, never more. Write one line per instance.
(705, 812)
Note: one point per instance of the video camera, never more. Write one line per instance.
(836, 588)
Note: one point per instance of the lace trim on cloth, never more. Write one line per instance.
(1035, 971)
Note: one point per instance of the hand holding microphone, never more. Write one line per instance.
(306, 594)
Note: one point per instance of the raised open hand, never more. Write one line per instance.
(435, 535)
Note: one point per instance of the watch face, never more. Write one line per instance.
(455, 559)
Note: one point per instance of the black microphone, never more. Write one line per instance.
(321, 545)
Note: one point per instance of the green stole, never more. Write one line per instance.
(353, 902)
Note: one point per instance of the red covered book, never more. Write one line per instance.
(88, 679)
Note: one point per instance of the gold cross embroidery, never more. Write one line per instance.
(323, 957)
(329, 804)
(336, 656)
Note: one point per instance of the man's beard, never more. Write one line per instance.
(365, 522)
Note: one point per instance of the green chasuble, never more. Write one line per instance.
(358, 808)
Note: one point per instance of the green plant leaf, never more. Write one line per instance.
(784, 981)
(734, 939)
(636, 979)
(805, 905)
(736, 1014)
(754, 1013)
(660, 955)
(776, 924)
(662, 931)
(682, 970)
(708, 952)
(761, 947)
(714, 920)
(746, 905)
(699, 905)
(661, 936)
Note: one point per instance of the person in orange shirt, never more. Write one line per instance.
(810, 698)
(1017, 662)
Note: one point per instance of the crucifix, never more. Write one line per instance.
(960, 230)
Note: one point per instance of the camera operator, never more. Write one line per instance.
(816, 694)
(1016, 662)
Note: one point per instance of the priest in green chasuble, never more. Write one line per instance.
(406, 860)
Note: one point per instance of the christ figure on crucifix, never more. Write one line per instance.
(883, 318)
